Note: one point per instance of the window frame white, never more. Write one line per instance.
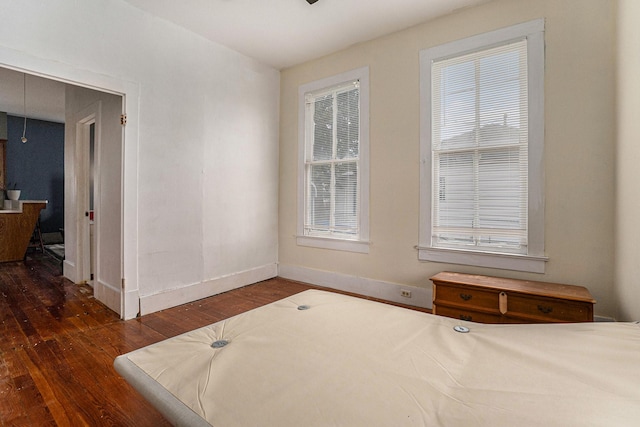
(535, 259)
(361, 244)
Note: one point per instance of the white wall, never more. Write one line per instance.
(201, 145)
(628, 159)
(579, 150)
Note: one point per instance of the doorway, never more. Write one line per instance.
(95, 136)
(120, 198)
(77, 113)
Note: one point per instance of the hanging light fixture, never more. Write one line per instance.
(24, 97)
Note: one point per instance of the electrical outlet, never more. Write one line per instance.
(405, 293)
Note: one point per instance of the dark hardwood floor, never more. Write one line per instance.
(57, 345)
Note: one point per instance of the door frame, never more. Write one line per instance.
(85, 248)
(24, 62)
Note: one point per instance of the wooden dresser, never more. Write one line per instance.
(488, 299)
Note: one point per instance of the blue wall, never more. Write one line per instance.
(38, 166)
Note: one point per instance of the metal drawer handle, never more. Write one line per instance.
(545, 309)
(465, 297)
(467, 318)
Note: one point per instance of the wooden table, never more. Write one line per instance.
(16, 228)
(487, 299)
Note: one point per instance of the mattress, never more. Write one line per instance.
(324, 359)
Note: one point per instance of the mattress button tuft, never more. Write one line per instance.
(219, 343)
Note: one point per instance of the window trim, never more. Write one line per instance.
(535, 260)
(360, 245)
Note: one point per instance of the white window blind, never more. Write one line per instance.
(332, 156)
(479, 146)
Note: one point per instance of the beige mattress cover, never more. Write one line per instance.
(346, 361)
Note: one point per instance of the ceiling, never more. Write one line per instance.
(283, 33)
(279, 33)
(44, 97)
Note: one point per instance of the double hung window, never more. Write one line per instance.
(333, 171)
(482, 126)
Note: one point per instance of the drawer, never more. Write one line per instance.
(468, 315)
(474, 297)
(548, 309)
(461, 296)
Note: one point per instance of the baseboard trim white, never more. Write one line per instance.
(108, 295)
(388, 291)
(174, 297)
(131, 302)
(69, 271)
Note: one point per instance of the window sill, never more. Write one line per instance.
(528, 263)
(358, 246)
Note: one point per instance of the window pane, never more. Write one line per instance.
(500, 184)
(502, 98)
(480, 99)
(348, 124)
(319, 197)
(457, 106)
(323, 128)
(455, 201)
(346, 210)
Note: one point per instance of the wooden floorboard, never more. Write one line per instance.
(58, 343)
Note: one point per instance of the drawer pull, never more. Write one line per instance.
(502, 302)
(464, 317)
(545, 309)
(465, 297)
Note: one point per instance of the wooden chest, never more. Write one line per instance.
(488, 299)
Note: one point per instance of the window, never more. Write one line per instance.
(481, 146)
(333, 178)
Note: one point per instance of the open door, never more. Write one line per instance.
(95, 252)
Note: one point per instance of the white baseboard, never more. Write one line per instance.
(108, 295)
(174, 297)
(131, 305)
(69, 271)
(388, 291)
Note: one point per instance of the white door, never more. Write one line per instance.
(98, 193)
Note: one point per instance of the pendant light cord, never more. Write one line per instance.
(24, 97)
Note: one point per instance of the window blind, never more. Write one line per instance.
(480, 150)
(332, 186)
